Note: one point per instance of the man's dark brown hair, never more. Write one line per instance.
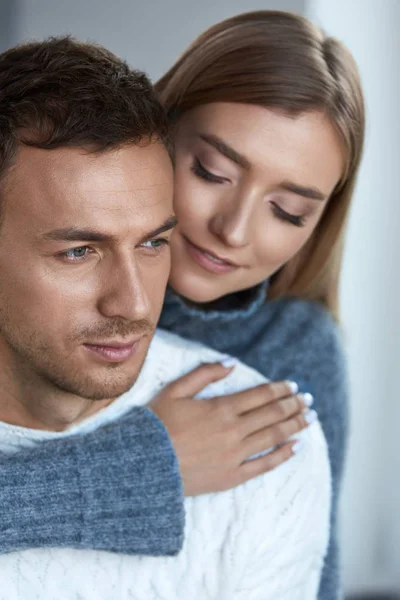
(60, 92)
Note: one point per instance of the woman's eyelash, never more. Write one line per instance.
(296, 220)
(200, 171)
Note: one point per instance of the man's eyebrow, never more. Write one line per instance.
(78, 234)
(226, 150)
(170, 223)
(307, 192)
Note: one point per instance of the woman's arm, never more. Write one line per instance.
(116, 489)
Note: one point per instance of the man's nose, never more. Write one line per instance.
(124, 294)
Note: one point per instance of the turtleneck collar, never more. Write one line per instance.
(233, 307)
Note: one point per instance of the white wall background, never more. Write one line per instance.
(371, 299)
(8, 20)
(150, 35)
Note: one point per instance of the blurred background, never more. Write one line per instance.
(151, 35)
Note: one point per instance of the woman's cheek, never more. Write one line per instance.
(278, 245)
(197, 206)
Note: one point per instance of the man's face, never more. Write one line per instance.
(84, 261)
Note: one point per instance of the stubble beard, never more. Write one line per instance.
(36, 363)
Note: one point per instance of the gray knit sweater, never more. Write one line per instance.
(61, 494)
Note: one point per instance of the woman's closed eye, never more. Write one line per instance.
(283, 215)
(200, 171)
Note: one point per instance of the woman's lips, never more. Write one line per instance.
(206, 260)
(112, 353)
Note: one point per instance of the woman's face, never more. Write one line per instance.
(251, 185)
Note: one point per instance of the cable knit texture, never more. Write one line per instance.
(263, 540)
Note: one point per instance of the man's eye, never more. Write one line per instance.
(156, 244)
(76, 254)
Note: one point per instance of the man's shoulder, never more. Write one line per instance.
(164, 340)
(300, 489)
(181, 356)
(310, 467)
(175, 356)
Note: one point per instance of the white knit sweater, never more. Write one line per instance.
(264, 540)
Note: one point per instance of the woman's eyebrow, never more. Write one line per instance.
(226, 150)
(307, 192)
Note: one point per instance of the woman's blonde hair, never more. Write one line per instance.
(282, 61)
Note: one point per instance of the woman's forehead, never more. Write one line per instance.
(305, 148)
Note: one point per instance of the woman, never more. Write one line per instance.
(244, 220)
(268, 126)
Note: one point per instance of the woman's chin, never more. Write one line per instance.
(195, 290)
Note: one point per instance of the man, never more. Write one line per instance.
(86, 215)
(83, 162)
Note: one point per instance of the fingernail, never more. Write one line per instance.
(229, 362)
(311, 416)
(307, 399)
(294, 388)
(297, 446)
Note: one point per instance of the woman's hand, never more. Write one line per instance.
(213, 438)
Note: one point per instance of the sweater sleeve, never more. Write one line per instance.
(287, 528)
(116, 489)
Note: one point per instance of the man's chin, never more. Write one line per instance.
(99, 384)
(104, 391)
(95, 388)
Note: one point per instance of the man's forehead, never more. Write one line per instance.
(132, 182)
(103, 170)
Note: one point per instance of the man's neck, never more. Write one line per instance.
(56, 413)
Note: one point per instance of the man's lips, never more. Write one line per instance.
(113, 350)
(208, 260)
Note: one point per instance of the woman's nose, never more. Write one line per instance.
(234, 223)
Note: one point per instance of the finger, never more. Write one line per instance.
(263, 464)
(195, 381)
(275, 412)
(263, 394)
(277, 434)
